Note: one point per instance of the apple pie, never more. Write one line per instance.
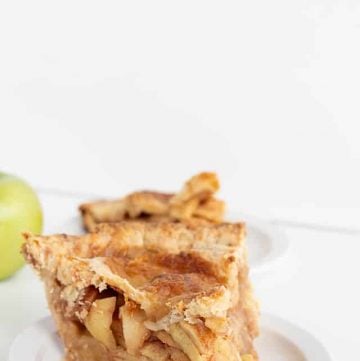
(144, 291)
(195, 201)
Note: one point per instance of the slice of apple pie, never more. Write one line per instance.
(195, 201)
(149, 292)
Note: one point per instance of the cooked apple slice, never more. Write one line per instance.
(200, 335)
(217, 325)
(224, 351)
(155, 351)
(134, 330)
(165, 338)
(177, 355)
(99, 319)
(185, 343)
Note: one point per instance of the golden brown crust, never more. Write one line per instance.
(201, 186)
(188, 281)
(194, 202)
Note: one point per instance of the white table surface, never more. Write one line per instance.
(317, 288)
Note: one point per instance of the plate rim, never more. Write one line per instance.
(280, 242)
(307, 343)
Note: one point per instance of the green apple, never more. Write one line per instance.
(20, 211)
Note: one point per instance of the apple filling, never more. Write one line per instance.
(116, 323)
(99, 319)
(120, 326)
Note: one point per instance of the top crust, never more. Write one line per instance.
(163, 267)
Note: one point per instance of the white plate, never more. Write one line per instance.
(266, 244)
(279, 341)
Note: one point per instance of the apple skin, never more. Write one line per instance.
(20, 211)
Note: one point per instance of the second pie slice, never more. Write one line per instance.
(147, 291)
(195, 202)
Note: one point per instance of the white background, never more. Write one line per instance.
(106, 97)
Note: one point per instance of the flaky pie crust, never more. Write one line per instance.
(187, 284)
